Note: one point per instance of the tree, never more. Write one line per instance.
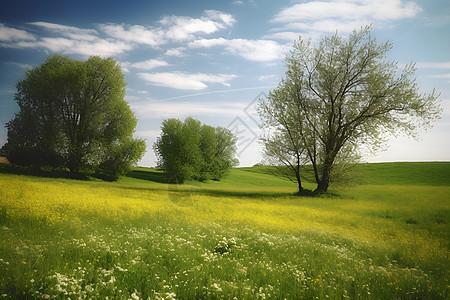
(335, 97)
(225, 155)
(191, 150)
(73, 115)
(208, 142)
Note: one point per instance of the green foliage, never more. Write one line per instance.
(337, 96)
(225, 153)
(208, 145)
(191, 150)
(73, 115)
(121, 157)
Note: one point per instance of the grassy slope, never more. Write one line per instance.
(407, 173)
(386, 239)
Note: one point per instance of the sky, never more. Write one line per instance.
(212, 59)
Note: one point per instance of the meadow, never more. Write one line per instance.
(245, 237)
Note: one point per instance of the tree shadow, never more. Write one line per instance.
(149, 175)
(41, 172)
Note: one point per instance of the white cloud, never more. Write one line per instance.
(227, 19)
(177, 52)
(255, 50)
(348, 10)
(121, 37)
(72, 40)
(172, 28)
(135, 34)
(69, 46)
(185, 81)
(69, 31)
(165, 109)
(184, 28)
(207, 43)
(23, 66)
(147, 64)
(344, 15)
(187, 28)
(8, 34)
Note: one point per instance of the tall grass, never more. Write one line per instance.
(244, 237)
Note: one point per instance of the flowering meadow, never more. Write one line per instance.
(246, 237)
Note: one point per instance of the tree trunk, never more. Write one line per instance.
(299, 181)
(324, 182)
(322, 187)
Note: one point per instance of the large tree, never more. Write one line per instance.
(335, 97)
(190, 150)
(73, 115)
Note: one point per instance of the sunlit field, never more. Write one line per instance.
(246, 236)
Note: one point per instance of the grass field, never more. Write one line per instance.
(246, 236)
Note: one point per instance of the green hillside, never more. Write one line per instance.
(406, 173)
(261, 179)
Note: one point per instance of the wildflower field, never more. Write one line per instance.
(246, 236)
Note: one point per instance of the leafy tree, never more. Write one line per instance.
(73, 115)
(168, 147)
(191, 150)
(335, 97)
(225, 155)
(208, 142)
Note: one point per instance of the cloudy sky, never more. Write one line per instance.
(212, 59)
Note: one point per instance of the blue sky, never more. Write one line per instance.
(212, 59)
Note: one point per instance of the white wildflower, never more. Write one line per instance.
(135, 296)
(217, 287)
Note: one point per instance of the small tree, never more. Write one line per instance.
(336, 97)
(189, 150)
(73, 115)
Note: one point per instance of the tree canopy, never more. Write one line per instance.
(73, 115)
(192, 150)
(337, 96)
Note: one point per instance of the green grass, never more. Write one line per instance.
(407, 173)
(245, 236)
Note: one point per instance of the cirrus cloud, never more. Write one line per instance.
(69, 31)
(185, 81)
(165, 109)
